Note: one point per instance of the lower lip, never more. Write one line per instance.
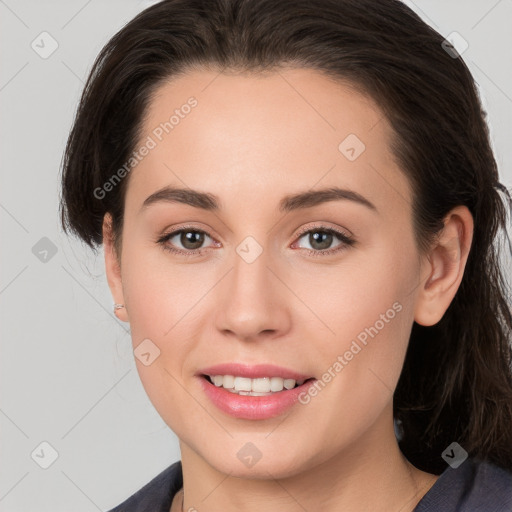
(253, 407)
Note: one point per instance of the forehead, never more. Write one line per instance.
(263, 133)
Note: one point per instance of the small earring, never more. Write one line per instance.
(118, 306)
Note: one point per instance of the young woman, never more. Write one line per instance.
(299, 208)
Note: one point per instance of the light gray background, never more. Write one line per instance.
(68, 375)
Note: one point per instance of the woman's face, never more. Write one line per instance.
(258, 278)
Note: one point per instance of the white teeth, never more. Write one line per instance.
(242, 384)
(252, 393)
(227, 381)
(261, 385)
(276, 384)
(289, 383)
(254, 387)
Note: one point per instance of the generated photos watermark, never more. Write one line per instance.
(355, 348)
(157, 135)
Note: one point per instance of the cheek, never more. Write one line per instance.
(355, 294)
(367, 307)
(163, 304)
(159, 292)
(360, 364)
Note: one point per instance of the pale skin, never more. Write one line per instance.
(250, 141)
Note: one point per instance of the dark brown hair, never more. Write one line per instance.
(456, 383)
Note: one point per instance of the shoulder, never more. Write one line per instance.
(156, 495)
(475, 485)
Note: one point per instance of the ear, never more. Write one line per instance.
(113, 267)
(443, 267)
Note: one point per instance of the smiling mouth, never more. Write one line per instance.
(262, 386)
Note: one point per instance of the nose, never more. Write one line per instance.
(252, 302)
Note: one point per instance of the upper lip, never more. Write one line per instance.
(253, 371)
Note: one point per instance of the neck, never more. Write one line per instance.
(371, 474)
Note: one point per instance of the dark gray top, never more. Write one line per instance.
(475, 486)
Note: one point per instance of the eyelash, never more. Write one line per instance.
(346, 241)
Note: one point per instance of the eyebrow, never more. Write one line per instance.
(211, 202)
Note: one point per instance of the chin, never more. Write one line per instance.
(248, 461)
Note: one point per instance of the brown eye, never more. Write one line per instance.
(184, 241)
(320, 241)
(191, 239)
